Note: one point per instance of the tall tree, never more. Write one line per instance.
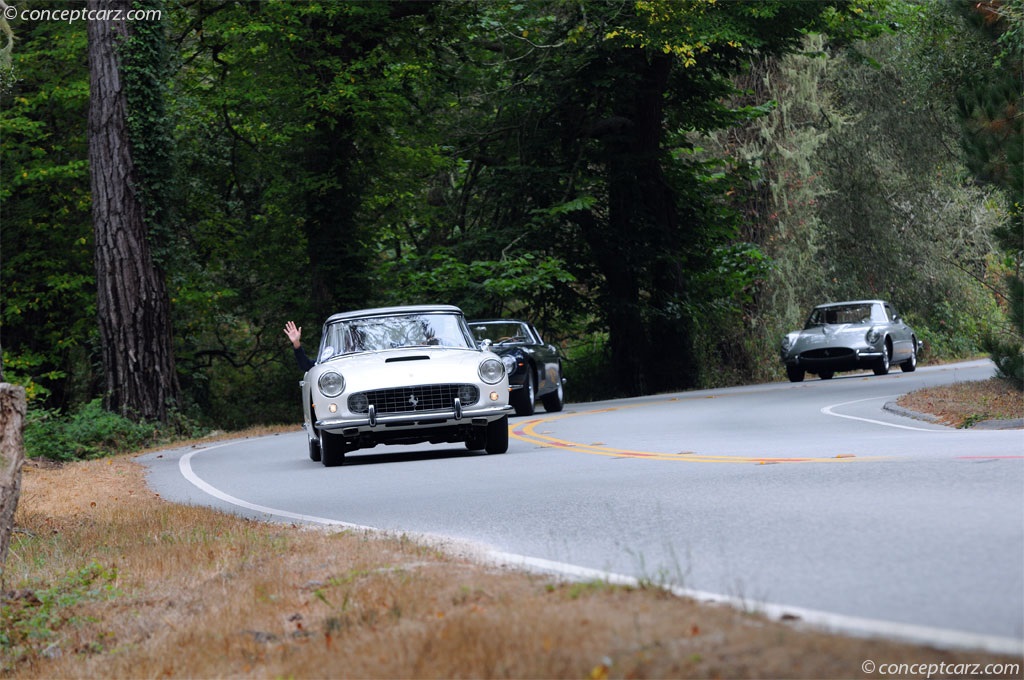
(132, 301)
(992, 109)
(48, 313)
(606, 94)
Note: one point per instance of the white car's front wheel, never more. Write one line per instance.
(332, 449)
(497, 435)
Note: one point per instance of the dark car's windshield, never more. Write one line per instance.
(842, 314)
(391, 332)
(501, 331)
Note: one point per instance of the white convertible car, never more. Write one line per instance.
(403, 375)
(850, 336)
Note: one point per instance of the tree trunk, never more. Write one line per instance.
(132, 301)
(12, 455)
(639, 253)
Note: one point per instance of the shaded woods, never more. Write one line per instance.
(664, 188)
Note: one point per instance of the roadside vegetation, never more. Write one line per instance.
(105, 579)
(966, 404)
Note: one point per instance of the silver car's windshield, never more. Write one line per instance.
(391, 332)
(843, 314)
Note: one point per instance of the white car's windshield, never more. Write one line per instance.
(391, 332)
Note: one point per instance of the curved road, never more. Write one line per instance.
(806, 499)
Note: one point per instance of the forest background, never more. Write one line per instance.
(664, 187)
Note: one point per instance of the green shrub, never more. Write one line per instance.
(90, 432)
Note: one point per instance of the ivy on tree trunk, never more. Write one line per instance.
(132, 300)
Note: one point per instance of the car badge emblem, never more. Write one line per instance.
(413, 400)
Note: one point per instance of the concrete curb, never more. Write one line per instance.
(1011, 424)
(893, 407)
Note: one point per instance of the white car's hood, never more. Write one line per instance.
(403, 367)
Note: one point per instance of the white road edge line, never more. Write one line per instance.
(852, 625)
(828, 410)
(185, 466)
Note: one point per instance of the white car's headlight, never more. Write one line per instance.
(873, 336)
(491, 371)
(331, 384)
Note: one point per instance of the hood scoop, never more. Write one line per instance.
(414, 358)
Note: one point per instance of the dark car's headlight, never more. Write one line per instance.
(510, 363)
(787, 343)
(331, 384)
(491, 371)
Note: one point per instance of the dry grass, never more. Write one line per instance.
(195, 593)
(968, 403)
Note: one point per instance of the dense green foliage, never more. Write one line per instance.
(663, 187)
(90, 431)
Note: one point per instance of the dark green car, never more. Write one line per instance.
(534, 367)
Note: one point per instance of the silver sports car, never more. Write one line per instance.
(850, 336)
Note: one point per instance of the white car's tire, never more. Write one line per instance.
(332, 449)
(497, 435)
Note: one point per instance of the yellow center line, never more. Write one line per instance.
(526, 431)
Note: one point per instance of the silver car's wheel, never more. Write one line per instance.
(910, 365)
(882, 368)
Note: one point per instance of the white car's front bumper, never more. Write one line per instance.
(351, 426)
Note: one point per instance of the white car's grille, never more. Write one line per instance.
(414, 399)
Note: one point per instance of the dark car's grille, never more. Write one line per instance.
(828, 353)
(413, 399)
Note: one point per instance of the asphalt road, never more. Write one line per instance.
(805, 499)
